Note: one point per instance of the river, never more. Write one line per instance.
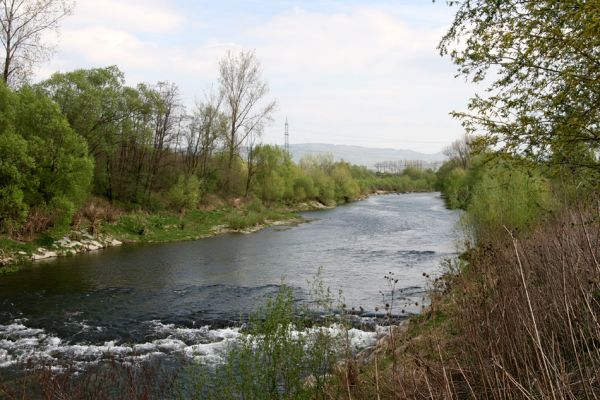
(187, 298)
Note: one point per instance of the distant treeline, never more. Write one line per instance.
(396, 167)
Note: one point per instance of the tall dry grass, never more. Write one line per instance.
(521, 320)
(530, 312)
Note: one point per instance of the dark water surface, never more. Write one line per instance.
(185, 298)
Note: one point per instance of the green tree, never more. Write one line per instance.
(346, 188)
(15, 166)
(62, 167)
(270, 169)
(94, 103)
(43, 163)
(508, 195)
(542, 59)
(130, 131)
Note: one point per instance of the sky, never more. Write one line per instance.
(363, 73)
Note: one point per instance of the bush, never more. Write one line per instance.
(274, 359)
(62, 210)
(508, 196)
(44, 164)
(185, 194)
(455, 188)
(304, 188)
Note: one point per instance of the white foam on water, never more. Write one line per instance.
(20, 344)
(357, 339)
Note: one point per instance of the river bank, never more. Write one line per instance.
(481, 318)
(143, 227)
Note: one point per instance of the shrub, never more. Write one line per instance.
(274, 359)
(508, 196)
(184, 194)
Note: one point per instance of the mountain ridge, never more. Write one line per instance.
(360, 155)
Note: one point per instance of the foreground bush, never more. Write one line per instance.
(277, 358)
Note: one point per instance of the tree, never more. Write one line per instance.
(98, 107)
(346, 188)
(184, 194)
(459, 152)
(244, 92)
(44, 164)
(542, 58)
(92, 101)
(23, 23)
(62, 168)
(207, 126)
(168, 115)
(15, 165)
(129, 130)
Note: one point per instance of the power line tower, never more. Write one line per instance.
(287, 137)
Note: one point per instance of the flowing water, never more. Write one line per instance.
(186, 299)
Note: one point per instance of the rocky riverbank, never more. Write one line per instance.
(74, 243)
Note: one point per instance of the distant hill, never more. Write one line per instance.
(366, 156)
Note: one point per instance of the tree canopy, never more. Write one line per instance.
(44, 164)
(541, 61)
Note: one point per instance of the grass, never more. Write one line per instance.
(195, 224)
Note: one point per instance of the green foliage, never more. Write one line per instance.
(185, 194)
(304, 188)
(542, 61)
(62, 209)
(14, 166)
(272, 166)
(346, 188)
(254, 215)
(275, 356)
(508, 195)
(244, 220)
(43, 162)
(86, 131)
(325, 186)
(319, 178)
(497, 192)
(455, 188)
(62, 168)
(127, 129)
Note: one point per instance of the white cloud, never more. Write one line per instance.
(115, 32)
(368, 75)
(147, 16)
(364, 40)
(102, 45)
